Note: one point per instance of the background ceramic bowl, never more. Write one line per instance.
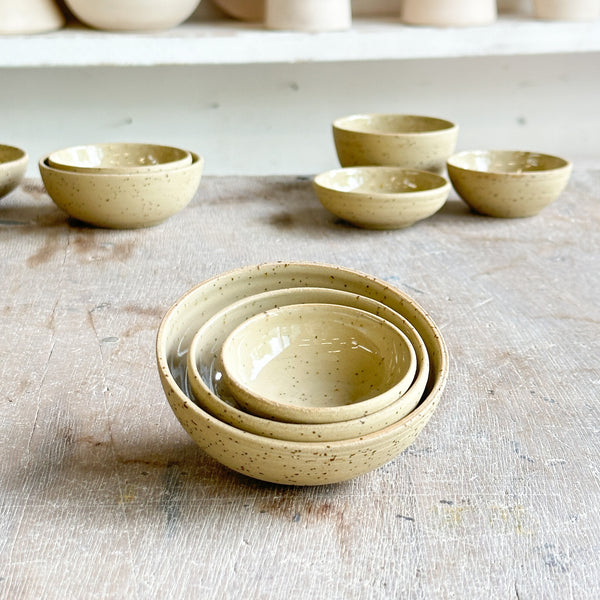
(279, 461)
(411, 141)
(21, 17)
(567, 10)
(132, 15)
(204, 375)
(13, 164)
(381, 197)
(308, 15)
(449, 13)
(122, 200)
(317, 363)
(119, 158)
(508, 183)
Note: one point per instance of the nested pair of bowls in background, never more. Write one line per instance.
(389, 396)
(121, 185)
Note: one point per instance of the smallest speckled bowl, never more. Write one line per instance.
(119, 158)
(317, 363)
(122, 200)
(508, 183)
(381, 197)
(13, 164)
(411, 141)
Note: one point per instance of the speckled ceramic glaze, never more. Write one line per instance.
(132, 15)
(205, 378)
(411, 141)
(123, 201)
(449, 13)
(507, 183)
(317, 363)
(381, 197)
(119, 158)
(20, 17)
(308, 15)
(278, 461)
(567, 10)
(13, 164)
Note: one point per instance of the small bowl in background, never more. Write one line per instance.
(411, 141)
(119, 157)
(381, 197)
(508, 183)
(317, 363)
(122, 200)
(449, 13)
(308, 15)
(567, 10)
(132, 15)
(13, 164)
(25, 17)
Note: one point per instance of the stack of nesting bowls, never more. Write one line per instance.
(300, 373)
(121, 185)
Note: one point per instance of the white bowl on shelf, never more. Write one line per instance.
(22, 17)
(449, 13)
(308, 15)
(567, 10)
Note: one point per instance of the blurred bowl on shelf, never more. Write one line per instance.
(567, 10)
(13, 164)
(508, 183)
(122, 200)
(381, 197)
(449, 13)
(119, 157)
(23, 17)
(308, 15)
(132, 15)
(412, 141)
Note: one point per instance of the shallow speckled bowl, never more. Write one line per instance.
(411, 141)
(13, 164)
(278, 461)
(317, 363)
(204, 376)
(381, 197)
(119, 157)
(508, 183)
(123, 201)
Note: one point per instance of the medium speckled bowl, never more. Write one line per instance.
(508, 183)
(411, 141)
(205, 378)
(123, 200)
(119, 157)
(317, 363)
(13, 164)
(278, 461)
(381, 197)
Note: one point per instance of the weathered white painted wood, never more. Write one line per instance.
(103, 495)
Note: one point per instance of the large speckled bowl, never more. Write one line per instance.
(204, 376)
(278, 461)
(381, 197)
(13, 164)
(123, 200)
(411, 141)
(508, 183)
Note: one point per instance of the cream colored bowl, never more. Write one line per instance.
(308, 15)
(317, 363)
(13, 164)
(411, 141)
(278, 461)
(23, 17)
(508, 183)
(449, 13)
(123, 201)
(381, 197)
(119, 157)
(132, 15)
(204, 378)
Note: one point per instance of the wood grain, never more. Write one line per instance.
(103, 495)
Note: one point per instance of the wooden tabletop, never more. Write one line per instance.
(103, 494)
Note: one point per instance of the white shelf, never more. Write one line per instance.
(230, 42)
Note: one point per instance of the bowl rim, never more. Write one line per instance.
(340, 124)
(431, 393)
(442, 187)
(22, 155)
(452, 163)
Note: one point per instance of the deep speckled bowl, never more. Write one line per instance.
(13, 164)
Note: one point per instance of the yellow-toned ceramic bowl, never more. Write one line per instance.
(13, 164)
(508, 183)
(278, 461)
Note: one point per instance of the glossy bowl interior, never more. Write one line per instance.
(279, 461)
(317, 363)
(13, 164)
(119, 158)
(204, 381)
